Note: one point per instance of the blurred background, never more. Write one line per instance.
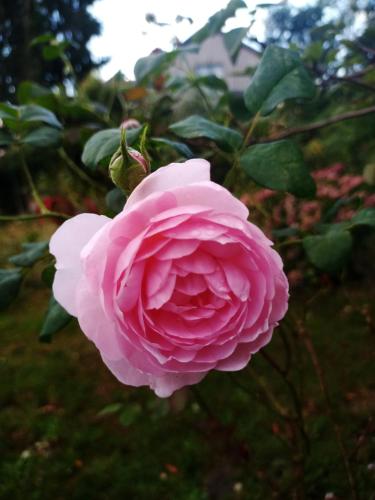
(298, 423)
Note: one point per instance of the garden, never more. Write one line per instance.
(186, 270)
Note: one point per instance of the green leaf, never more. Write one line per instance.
(115, 200)
(5, 138)
(153, 64)
(10, 282)
(35, 113)
(237, 106)
(329, 252)
(365, 217)
(48, 275)
(8, 111)
(233, 42)
(196, 127)
(180, 147)
(280, 166)
(55, 320)
(30, 92)
(42, 137)
(44, 38)
(54, 51)
(32, 253)
(212, 82)
(111, 409)
(130, 414)
(279, 76)
(102, 145)
(217, 21)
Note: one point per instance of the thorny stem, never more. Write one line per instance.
(26, 217)
(305, 335)
(250, 131)
(317, 125)
(38, 200)
(78, 171)
(294, 395)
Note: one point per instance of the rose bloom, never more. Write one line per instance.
(178, 284)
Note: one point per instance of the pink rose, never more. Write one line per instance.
(178, 284)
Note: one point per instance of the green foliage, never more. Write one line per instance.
(329, 252)
(32, 253)
(196, 126)
(56, 319)
(10, 282)
(43, 137)
(217, 21)
(29, 49)
(233, 42)
(279, 76)
(102, 145)
(180, 147)
(278, 165)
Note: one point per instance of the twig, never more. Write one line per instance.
(317, 125)
(319, 372)
(25, 217)
(78, 171)
(34, 191)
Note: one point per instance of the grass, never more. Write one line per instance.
(69, 429)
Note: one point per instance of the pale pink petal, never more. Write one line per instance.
(94, 322)
(66, 245)
(163, 386)
(169, 177)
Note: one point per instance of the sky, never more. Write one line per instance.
(126, 36)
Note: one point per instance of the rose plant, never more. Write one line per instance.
(177, 284)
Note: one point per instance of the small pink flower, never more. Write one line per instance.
(178, 284)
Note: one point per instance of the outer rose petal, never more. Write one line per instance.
(66, 245)
(170, 177)
(163, 386)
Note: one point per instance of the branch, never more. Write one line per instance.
(317, 125)
(25, 217)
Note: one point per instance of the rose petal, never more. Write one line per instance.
(66, 245)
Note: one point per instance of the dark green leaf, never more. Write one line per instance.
(212, 82)
(115, 200)
(130, 414)
(280, 75)
(46, 37)
(329, 252)
(180, 147)
(30, 92)
(8, 111)
(102, 145)
(153, 65)
(35, 113)
(237, 106)
(5, 138)
(278, 165)
(48, 275)
(51, 52)
(196, 127)
(111, 409)
(365, 217)
(32, 253)
(217, 21)
(233, 42)
(42, 137)
(10, 282)
(54, 321)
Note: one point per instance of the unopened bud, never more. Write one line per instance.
(128, 167)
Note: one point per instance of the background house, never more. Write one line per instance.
(213, 59)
